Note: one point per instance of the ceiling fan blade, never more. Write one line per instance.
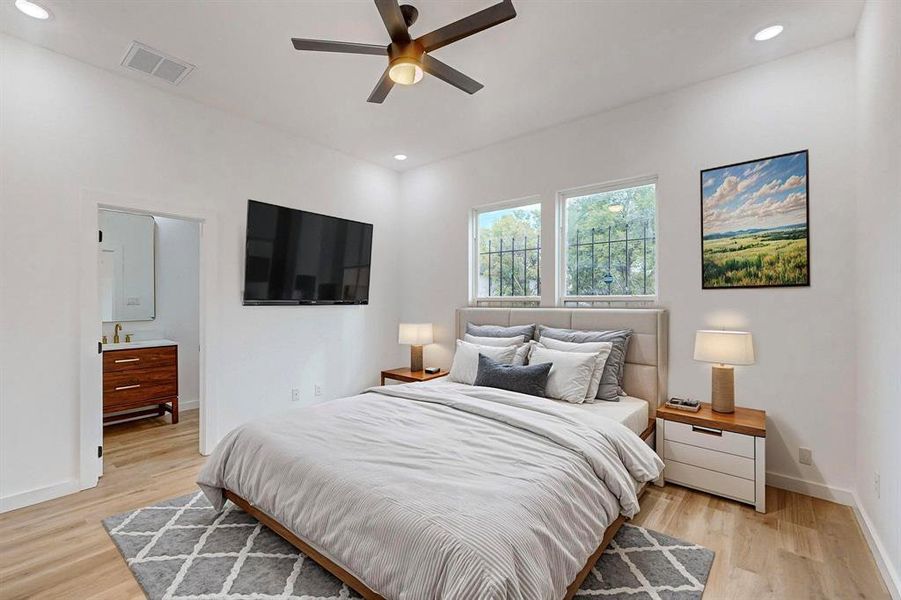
(435, 67)
(346, 47)
(394, 20)
(474, 23)
(381, 89)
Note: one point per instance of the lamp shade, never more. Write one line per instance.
(415, 334)
(724, 347)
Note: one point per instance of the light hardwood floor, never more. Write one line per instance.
(802, 548)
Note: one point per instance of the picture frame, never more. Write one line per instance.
(755, 223)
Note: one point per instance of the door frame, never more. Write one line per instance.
(91, 363)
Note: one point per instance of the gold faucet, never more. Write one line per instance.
(116, 331)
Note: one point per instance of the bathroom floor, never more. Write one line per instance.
(129, 443)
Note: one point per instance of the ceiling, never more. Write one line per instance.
(558, 60)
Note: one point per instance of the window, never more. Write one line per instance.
(507, 254)
(608, 245)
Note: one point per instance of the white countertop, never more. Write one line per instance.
(138, 344)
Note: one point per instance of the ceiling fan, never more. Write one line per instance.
(408, 57)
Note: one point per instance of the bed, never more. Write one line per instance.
(441, 490)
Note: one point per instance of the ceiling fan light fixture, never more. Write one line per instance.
(405, 71)
(408, 57)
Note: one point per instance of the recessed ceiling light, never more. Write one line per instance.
(400, 157)
(33, 10)
(768, 33)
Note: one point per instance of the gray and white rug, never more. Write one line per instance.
(182, 549)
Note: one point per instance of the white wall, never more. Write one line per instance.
(805, 373)
(177, 268)
(69, 130)
(879, 277)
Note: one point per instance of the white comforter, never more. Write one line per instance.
(440, 490)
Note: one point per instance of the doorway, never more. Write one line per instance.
(148, 269)
(179, 244)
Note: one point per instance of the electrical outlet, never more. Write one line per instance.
(876, 484)
(295, 395)
(317, 390)
(805, 456)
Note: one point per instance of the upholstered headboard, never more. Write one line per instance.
(646, 360)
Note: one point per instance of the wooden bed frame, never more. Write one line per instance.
(361, 588)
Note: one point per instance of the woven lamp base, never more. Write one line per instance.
(722, 388)
(416, 358)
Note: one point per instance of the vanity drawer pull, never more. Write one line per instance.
(128, 387)
(707, 430)
(127, 360)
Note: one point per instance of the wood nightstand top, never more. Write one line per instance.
(408, 376)
(748, 421)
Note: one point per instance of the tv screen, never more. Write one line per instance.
(299, 257)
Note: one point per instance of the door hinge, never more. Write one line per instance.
(99, 451)
(100, 237)
(99, 347)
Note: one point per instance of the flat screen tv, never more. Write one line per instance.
(298, 257)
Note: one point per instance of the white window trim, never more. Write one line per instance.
(474, 297)
(560, 230)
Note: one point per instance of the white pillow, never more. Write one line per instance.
(570, 372)
(522, 348)
(466, 360)
(600, 349)
(494, 341)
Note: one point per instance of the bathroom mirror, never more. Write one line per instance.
(127, 273)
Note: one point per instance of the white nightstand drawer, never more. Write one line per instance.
(729, 464)
(707, 437)
(710, 481)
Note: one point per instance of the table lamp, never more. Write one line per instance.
(417, 335)
(725, 348)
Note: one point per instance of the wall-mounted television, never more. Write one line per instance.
(298, 257)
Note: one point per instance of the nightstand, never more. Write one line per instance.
(719, 453)
(407, 376)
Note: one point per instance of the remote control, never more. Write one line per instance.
(689, 405)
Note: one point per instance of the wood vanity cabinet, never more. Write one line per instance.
(140, 377)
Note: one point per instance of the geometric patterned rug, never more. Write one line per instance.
(182, 549)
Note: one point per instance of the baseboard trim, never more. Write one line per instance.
(890, 576)
(188, 404)
(810, 488)
(23, 499)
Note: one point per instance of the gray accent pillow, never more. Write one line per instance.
(531, 379)
(611, 387)
(498, 331)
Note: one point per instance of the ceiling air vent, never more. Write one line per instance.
(156, 64)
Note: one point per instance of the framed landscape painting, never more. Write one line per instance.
(754, 223)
